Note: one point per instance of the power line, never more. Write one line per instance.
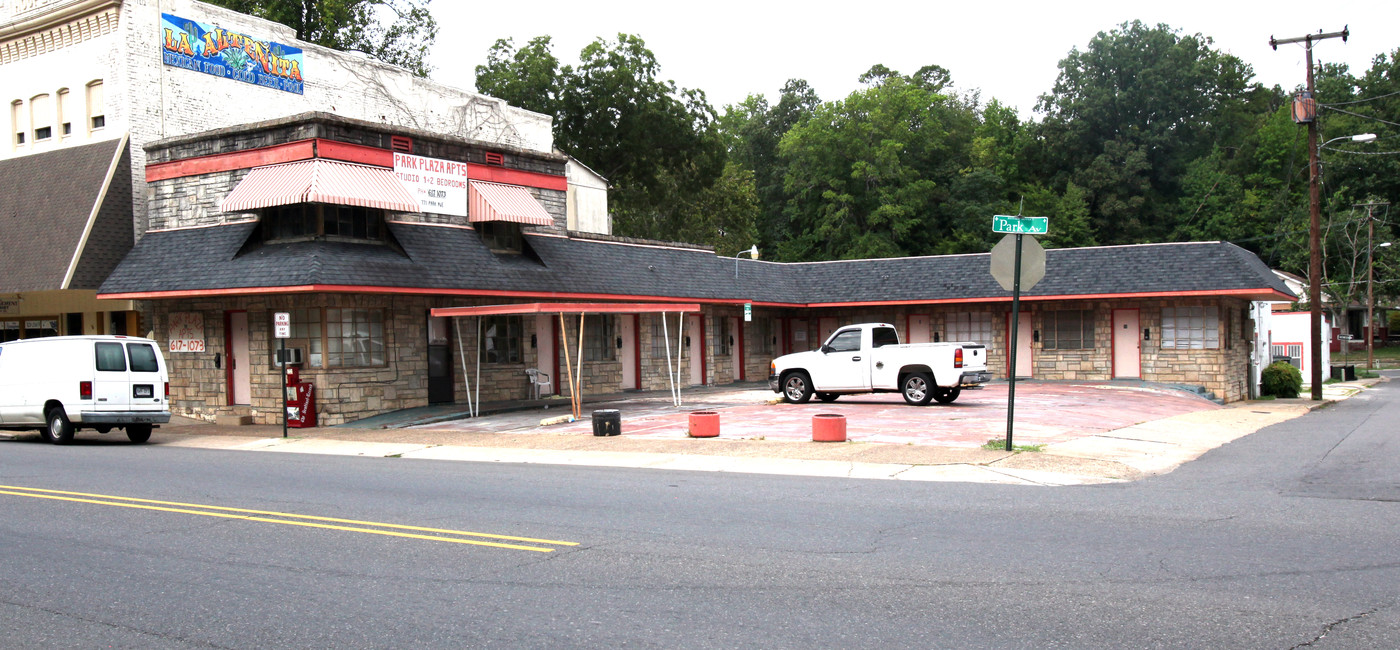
(1364, 153)
(1364, 116)
(1359, 101)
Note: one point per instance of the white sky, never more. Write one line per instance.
(1008, 49)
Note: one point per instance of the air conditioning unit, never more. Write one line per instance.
(291, 356)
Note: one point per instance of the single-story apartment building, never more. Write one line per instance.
(312, 215)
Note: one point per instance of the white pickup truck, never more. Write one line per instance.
(868, 358)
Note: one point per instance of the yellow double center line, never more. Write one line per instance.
(289, 519)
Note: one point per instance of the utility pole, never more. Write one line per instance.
(1370, 278)
(1314, 210)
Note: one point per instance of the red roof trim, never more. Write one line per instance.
(355, 153)
(507, 176)
(222, 162)
(348, 288)
(568, 308)
(334, 150)
(1262, 292)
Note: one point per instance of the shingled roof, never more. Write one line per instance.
(428, 259)
(60, 207)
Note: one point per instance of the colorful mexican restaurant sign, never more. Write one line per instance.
(214, 50)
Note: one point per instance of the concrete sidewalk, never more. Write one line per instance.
(900, 442)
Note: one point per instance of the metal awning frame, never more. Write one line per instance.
(561, 308)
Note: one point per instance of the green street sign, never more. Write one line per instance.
(1020, 225)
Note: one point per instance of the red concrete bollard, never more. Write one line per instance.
(828, 427)
(704, 424)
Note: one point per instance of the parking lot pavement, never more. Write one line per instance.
(1045, 413)
(1091, 432)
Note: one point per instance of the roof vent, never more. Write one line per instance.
(495, 159)
(401, 143)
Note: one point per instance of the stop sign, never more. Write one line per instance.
(1004, 262)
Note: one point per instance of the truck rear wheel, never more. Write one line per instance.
(946, 395)
(59, 430)
(138, 433)
(797, 388)
(916, 388)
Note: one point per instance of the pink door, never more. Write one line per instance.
(826, 327)
(241, 386)
(918, 328)
(1025, 332)
(1127, 344)
(627, 354)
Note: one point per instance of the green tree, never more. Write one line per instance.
(528, 77)
(1130, 112)
(752, 130)
(399, 32)
(1070, 225)
(870, 176)
(657, 144)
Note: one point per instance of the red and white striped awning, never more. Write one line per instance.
(497, 202)
(320, 181)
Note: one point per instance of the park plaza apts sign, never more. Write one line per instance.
(213, 50)
(440, 186)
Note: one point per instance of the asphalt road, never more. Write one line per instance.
(1283, 539)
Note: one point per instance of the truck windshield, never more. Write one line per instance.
(882, 336)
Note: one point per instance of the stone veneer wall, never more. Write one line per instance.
(1222, 371)
(199, 389)
(654, 369)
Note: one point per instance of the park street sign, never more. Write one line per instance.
(1020, 225)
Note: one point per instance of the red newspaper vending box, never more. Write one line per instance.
(301, 401)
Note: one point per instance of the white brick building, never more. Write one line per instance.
(81, 72)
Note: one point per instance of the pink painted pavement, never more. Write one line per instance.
(1045, 413)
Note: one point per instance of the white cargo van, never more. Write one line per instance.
(61, 384)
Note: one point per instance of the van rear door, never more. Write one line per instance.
(111, 386)
(147, 381)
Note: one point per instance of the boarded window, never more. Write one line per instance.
(1069, 330)
(975, 327)
(599, 338)
(96, 105)
(1191, 328)
(501, 338)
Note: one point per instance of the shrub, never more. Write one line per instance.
(1281, 379)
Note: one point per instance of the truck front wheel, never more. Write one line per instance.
(946, 395)
(916, 388)
(797, 388)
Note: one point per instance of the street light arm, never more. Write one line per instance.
(1360, 137)
(752, 252)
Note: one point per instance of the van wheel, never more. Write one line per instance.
(828, 397)
(797, 388)
(916, 389)
(59, 430)
(946, 395)
(138, 433)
